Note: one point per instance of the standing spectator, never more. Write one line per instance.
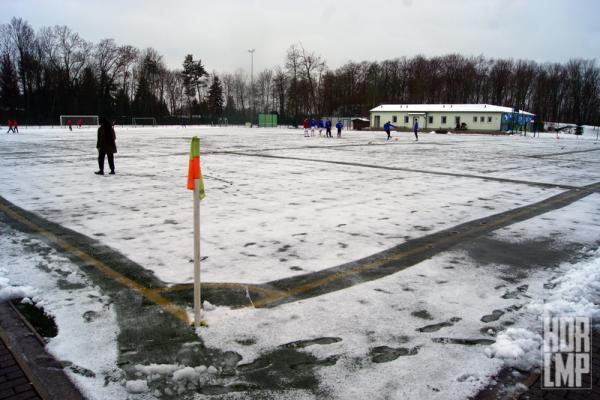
(321, 126)
(416, 129)
(339, 127)
(70, 124)
(106, 146)
(313, 123)
(305, 124)
(387, 127)
(15, 126)
(10, 126)
(328, 128)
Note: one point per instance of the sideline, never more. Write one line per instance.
(420, 171)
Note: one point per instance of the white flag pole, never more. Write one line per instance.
(197, 299)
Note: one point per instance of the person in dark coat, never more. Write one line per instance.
(339, 127)
(416, 129)
(387, 127)
(106, 146)
(328, 128)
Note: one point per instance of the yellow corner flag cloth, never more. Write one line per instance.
(194, 171)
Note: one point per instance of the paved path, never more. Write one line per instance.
(26, 370)
(14, 384)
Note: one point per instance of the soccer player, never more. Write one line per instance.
(305, 124)
(339, 127)
(416, 129)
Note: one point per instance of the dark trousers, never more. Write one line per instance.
(339, 132)
(416, 135)
(111, 161)
(328, 132)
(388, 133)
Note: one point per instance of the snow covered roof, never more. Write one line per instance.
(478, 108)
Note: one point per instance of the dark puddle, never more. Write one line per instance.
(437, 327)
(494, 316)
(464, 342)
(424, 314)
(383, 354)
(524, 255)
(43, 323)
(300, 344)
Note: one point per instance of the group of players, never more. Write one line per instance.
(312, 125)
(12, 126)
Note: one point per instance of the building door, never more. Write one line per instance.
(377, 121)
(457, 120)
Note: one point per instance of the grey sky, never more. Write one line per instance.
(220, 32)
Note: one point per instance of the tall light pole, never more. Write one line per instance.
(251, 51)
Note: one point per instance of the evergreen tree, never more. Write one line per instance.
(215, 98)
(9, 86)
(193, 78)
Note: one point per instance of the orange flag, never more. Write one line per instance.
(194, 170)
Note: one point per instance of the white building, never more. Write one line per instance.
(473, 117)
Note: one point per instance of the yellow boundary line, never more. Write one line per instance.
(220, 285)
(149, 294)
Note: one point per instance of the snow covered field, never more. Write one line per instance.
(266, 218)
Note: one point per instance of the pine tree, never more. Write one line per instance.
(215, 98)
(193, 78)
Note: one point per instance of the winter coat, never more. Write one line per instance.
(328, 124)
(416, 126)
(386, 127)
(312, 123)
(305, 124)
(106, 141)
(339, 125)
(321, 123)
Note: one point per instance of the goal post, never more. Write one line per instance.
(75, 119)
(144, 121)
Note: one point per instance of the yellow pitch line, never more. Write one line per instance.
(150, 294)
(220, 285)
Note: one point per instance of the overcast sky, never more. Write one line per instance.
(219, 32)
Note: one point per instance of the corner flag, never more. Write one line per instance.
(194, 171)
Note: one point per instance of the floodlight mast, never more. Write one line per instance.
(251, 51)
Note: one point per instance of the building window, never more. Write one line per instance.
(443, 120)
(406, 120)
(489, 119)
(481, 119)
(431, 119)
(475, 119)
(394, 119)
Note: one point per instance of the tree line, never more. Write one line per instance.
(55, 71)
